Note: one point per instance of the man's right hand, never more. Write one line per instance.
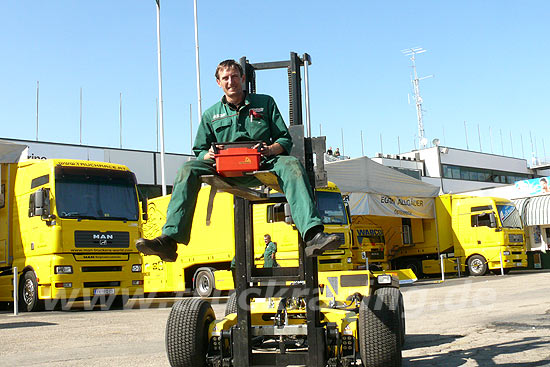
(210, 154)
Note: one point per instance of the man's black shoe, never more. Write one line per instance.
(164, 247)
(322, 242)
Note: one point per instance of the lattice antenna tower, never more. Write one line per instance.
(412, 52)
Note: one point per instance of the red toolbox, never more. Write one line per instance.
(236, 158)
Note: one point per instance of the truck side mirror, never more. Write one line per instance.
(144, 214)
(288, 215)
(41, 205)
(276, 213)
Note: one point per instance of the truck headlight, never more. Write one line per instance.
(63, 269)
(506, 253)
(136, 268)
(384, 279)
(349, 260)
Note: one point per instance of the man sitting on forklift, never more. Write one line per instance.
(240, 116)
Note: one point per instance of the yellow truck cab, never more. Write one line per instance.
(69, 227)
(335, 219)
(487, 230)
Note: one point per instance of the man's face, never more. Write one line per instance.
(267, 239)
(231, 81)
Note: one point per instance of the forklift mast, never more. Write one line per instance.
(271, 282)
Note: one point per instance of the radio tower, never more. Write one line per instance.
(412, 52)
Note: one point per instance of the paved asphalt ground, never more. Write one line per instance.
(487, 321)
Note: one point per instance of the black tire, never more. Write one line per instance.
(231, 305)
(380, 329)
(28, 293)
(401, 310)
(204, 283)
(498, 272)
(477, 265)
(187, 332)
(415, 266)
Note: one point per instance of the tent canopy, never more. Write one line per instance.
(535, 211)
(364, 175)
(10, 152)
(374, 189)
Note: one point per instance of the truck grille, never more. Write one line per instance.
(515, 237)
(330, 261)
(101, 239)
(97, 269)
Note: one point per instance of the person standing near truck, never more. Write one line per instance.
(240, 116)
(270, 251)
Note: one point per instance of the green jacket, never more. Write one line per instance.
(258, 119)
(270, 249)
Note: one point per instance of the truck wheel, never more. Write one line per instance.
(401, 310)
(204, 283)
(187, 332)
(28, 295)
(380, 329)
(415, 266)
(497, 271)
(477, 265)
(231, 306)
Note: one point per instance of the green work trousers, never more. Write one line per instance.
(292, 180)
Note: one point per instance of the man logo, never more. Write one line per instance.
(103, 237)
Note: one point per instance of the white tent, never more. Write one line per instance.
(374, 189)
(11, 152)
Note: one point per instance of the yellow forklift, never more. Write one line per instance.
(289, 316)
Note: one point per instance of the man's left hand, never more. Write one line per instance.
(269, 150)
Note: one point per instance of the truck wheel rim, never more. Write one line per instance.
(477, 265)
(28, 292)
(204, 285)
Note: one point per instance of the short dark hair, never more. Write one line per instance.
(226, 64)
(543, 180)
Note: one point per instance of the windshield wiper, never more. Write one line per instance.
(115, 218)
(76, 215)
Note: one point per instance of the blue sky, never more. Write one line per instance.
(489, 60)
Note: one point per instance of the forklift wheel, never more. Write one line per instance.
(187, 332)
(231, 306)
(380, 329)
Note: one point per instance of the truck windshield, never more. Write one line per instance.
(331, 207)
(509, 216)
(103, 194)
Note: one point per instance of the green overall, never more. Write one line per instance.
(270, 249)
(258, 119)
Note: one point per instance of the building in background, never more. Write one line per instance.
(457, 170)
(145, 164)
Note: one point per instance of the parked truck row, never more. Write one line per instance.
(70, 226)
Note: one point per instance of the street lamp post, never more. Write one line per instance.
(161, 119)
